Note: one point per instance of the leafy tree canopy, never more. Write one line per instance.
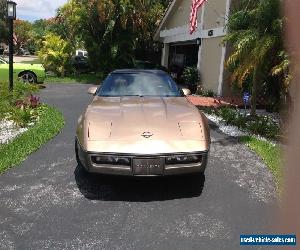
(111, 30)
(3, 26)
(23, 33)
(255, 32)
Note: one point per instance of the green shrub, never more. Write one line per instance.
(207, 93)
(55, 54)
(191, 78)
(21, 117)
(259, 125)
(50, 123)
(227, 114)
(264, 126)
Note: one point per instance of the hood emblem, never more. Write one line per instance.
(147, 134)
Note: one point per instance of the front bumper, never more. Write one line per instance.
(86, 159)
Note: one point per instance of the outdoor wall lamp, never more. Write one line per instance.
(11, 16)
(11, 10)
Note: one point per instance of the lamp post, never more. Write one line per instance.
(11, 15)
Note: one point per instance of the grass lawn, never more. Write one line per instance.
(80, 78)
(87, 78)
(50, 124)
(271, 155)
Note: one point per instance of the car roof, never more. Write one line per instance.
(139, 71)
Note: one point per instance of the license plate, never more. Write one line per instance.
(148, 166)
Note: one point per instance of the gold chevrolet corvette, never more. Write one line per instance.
(141, 124)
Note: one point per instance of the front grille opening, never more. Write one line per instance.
(184, 159)
(111, 160)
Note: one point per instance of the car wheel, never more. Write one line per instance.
(80, 166)
(28, 77)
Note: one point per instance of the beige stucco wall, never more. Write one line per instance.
(226, 87)
(180, 15)
(210, 63)
(214, 15)
(211, 51)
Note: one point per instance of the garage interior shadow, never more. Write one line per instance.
(138, 189)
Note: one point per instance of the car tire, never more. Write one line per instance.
(80, 165)
(28, 77)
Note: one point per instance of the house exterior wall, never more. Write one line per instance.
(210, 63)
(214, 15)
(213, 49)
(212, 52)
(180, 15)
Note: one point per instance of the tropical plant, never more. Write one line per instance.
(191, 75)
(65, 24)
(40, 28)
(20, 106)
(283, 69)
(260, 125)
(113, 31)
(55, 54)
(3, 26)
(255, 32)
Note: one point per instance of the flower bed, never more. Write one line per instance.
(25, 123)
(215, 102)
(49, 124)
(19, 110)
(257, 134)
(263, 125)
(9, 130)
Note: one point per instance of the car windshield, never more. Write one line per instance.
(139, 84)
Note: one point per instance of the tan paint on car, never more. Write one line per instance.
(116, 124)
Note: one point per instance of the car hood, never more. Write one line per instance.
(28, 66)
(143, 118)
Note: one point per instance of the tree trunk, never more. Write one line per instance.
(254, 92)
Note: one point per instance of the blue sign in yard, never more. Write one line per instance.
(246, 97)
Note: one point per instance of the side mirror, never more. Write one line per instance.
(186, 91)
(92, 90)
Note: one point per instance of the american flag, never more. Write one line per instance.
(193, 19)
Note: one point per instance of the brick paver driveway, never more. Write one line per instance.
(48, 203)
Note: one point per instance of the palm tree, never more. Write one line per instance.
(255, 33)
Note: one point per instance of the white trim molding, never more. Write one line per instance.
(181, 33)
(221, 75)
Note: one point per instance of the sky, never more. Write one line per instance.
(32, 10)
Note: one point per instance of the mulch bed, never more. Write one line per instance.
(216, 102)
